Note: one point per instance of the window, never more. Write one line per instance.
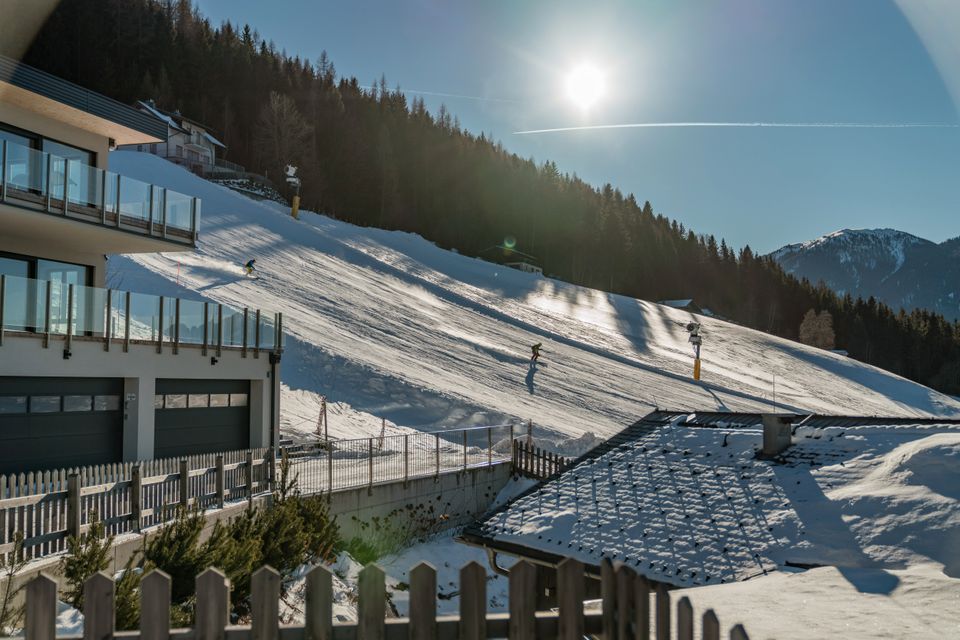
(219, 399)
(44, 404)
(106, 403)
(13, 404)
(175, 401)
(77, 403)
(238, 399)
(195, 400)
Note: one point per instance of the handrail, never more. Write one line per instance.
(44, 182)
(79, 312)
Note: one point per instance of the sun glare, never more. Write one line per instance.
(586, 85)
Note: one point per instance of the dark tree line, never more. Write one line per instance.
(370, 156)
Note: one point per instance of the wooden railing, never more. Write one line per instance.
(630, 608)
(533, 462)
(47, 507)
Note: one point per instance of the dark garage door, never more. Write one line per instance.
(53, 423)
(201, 416)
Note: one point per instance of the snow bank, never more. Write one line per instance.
(393, 327)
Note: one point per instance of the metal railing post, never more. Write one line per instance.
(436, 473)
(163, 212)
(219, 329)
(108, 321)
(406, 459)
(46, 319)
(160, 328)
(116, 206)
(464, 450)
(194, 204)
(246, 318)
(69, 338)
(3, 297)
(103, 197)
(150, 216)
(46, 180)
(278, 339)
(206, 327)
(370, 464)
(66, 185)
(489, 448)
(256, 336)
(329, 467)
(176, 326)
(126, 324)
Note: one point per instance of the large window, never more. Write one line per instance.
(26, 296)
(26, 166)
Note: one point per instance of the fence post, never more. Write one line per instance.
(523, 586)
(423, 602)
(329, 467)
(220, 481)
(369, 465)
(570, 596)
(272, 466)
(436, 474)
(98, 607)
(464, 451)
(641, 608)
(737, 632)
(625, 583)
(41, 613)
(684, 619)
(265, 604)
(371, 607)
(318, 623)
(711, 626)
(406, 459)
(73, 505)
(155, 606)
(213, 605)
(136, 499)
(184, 483)
(608, 597)
(663, 613)
(249, 465)
(489, 449)
(473, 602)
(513, 456)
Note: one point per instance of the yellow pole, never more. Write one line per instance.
(295, 208)
(696, 369)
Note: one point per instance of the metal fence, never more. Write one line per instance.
(46, 507)
(343, 464)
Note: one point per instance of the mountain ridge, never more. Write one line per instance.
(898, 268)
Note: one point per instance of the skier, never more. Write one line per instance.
(249, 268)
(536, 351)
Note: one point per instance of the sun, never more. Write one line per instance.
(586, 85)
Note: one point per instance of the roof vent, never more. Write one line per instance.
(776, 433)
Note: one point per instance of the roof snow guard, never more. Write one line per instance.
(686, 500)
(28, 78)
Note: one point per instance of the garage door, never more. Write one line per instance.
(52, 423)
(201, 416)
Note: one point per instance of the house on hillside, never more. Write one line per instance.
(694, 499)
(187, 142)
(510, 256)
(686, 304)
(92, 375)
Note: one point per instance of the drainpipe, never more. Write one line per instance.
(274, 390)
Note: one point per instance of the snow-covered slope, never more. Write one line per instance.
(391, 326)
(893, 266)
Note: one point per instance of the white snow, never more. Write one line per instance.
(388, 325)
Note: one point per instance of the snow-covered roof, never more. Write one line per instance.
(213, 140)
(685, 500)
(677, 304)
(160, 115)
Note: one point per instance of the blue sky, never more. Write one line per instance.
(823, 61)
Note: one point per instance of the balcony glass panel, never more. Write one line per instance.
(89, 311)
(26, 169)
(85, 185)
(134, 199)
(232, 327)
(179, 211)
(144, 316)
(24, 302)
(110, 201)
(191, 322)
(56, 178)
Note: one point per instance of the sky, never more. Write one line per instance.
(504, 65)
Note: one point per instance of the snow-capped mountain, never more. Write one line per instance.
(895, 267)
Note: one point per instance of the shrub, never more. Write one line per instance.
(10, 564)
(87, 554)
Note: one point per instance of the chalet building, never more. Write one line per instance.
(509, 256)
(91, 375)
(186, 142)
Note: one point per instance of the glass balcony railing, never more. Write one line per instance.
(45, 182)
(49, 308)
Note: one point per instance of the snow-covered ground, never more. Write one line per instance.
(387, 325)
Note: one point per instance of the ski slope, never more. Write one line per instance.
(389, 326)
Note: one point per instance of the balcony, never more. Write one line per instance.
(43, 309)
(42, 182)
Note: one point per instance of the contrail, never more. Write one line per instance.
(771, 125)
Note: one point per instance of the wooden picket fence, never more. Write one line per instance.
(631, 608)
(533, 462)
(47, 507)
